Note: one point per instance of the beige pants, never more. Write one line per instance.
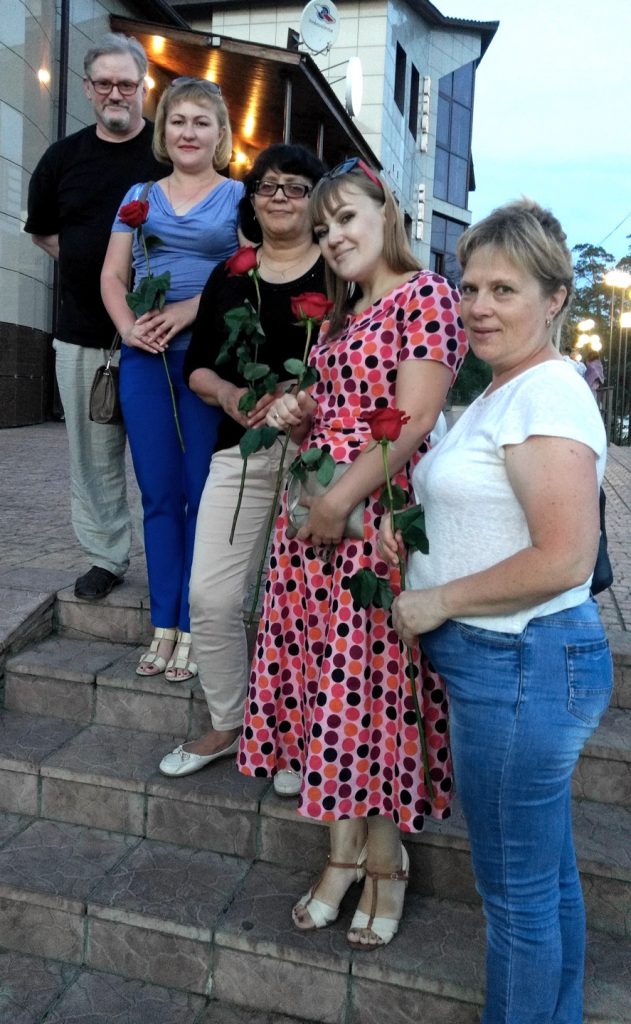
(222, 572)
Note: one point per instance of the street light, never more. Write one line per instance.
(617, 279)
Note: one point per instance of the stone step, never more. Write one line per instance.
(107, 778)
(96, 683)
(44, 991)
(205, 923)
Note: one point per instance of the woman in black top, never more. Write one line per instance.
(289, 264)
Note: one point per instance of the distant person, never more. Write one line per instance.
(74, 194)
(571, 356)
(194, 213)
(594, 372)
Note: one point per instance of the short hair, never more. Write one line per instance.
(396, 247)
(198, 90)
(116, 43)
(284, 158)
(532, 238)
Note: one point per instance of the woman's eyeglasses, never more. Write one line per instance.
(355, 162)
(203, 82)
(103, 87)
(290, 189)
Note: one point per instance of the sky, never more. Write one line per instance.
(552, 113)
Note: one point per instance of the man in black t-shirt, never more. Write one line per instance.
(74, 194)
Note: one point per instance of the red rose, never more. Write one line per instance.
(242, 262)
(385, 424)
(311, 306)
(134, 214)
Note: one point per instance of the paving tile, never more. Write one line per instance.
(258, 921)
(612, 738)
(26, 740)
(605, 781)
(35, 927)
(217, 828)
(374, 1003)
(146, 712)
(21, 611)
(100, 807)
(101, 755)
(19, 791)
(58, 863)
(219, 784)
(94, 998)
(109, 620)
(281, 986)
(37, 579)
(143, 953)
(36, 695)
(11, 824)
(222, 1013)
(122, 675)
(170, 888)
(28, 986)
(603, 838)
(607, 980)
(61, 658)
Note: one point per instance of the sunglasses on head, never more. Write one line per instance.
(353, 163)
(203, 82)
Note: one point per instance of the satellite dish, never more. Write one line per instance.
(354, 86)
(319, 26)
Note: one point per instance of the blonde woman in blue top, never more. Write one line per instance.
(194, 213)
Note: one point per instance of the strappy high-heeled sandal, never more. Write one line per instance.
(152, 663)
(322, 913)
(385, 928)
(181, 662)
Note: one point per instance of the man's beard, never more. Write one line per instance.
(116, 119)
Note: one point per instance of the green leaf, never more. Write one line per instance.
(309, 377)
(255, 371)
(250, 442)
(363, 587)
(312, 457)
(399, 497)
(224, 353)
(152, 241)
(384, 595)
(247, 402)
(295, 367)
(269, 383)
(411, 523)
(268, 436)
(326, 469)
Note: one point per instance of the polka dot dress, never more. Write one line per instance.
(329, 695)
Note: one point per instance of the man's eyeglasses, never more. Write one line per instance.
(103, 87)
(203, 82)
(350, 165)
(290, 189)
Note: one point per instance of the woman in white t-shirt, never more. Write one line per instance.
(503, 605)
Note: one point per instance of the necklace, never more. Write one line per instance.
(265, 264)
(175, 206)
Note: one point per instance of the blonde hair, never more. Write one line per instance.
(197, 91)
(531, 238)
(396, 248)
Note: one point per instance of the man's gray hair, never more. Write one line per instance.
(116, 43)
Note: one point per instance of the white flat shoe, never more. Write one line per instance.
(287, 783)
(185, 762)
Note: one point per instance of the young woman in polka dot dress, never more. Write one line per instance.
(329, 697)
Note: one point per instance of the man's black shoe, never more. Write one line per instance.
(96, 583)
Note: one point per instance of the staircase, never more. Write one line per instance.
(124, 893)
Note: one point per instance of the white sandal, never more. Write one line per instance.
(180, 661)
(322, 913)
(153, 662)
(384, 928)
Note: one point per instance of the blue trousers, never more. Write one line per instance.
(171, 481)
(521, 708)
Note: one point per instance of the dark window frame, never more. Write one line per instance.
(415, 89)
(400, 68)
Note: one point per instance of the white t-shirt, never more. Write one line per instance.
(472, 517)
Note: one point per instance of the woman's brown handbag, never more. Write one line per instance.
(105, 404)
(297, 513)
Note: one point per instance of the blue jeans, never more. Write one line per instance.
(521, 708)
(171, 481)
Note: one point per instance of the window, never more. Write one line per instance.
(453, 136)
(399, 78)
(414, 89)
(445, 235)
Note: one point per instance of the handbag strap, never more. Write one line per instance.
(117, 338)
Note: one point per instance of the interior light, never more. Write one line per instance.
(158, 43)
(44, 76)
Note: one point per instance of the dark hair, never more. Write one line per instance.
(282, 157)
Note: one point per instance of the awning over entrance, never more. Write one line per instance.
(273, 95)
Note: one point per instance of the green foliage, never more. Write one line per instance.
(411, 523)
(473, 378)
(314, 460)
(150, 294)
(369, 589)
(256, 438)
(399, 498)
